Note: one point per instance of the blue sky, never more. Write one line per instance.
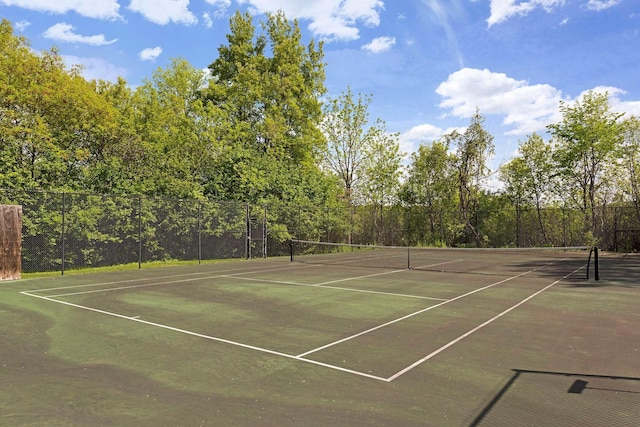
(427, 63)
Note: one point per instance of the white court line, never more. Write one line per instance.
(223, 340)
(359, 277)
(241, 271)
(439, 263)
(320, 285)
(141, 279)
(301, 357)
(477, 328)
(146, 285)
(417, 312)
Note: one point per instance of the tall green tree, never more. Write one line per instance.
(180, 132)
(473, 149)
(528, 178)
(382, 170)
(55, 126)
(349, 141)
(629, 154)
(587, 139)
(431, 184)
(269, 86)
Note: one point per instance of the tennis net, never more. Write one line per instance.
(556, 261)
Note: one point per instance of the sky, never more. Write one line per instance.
(428, 64)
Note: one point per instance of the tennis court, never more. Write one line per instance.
(355, 336)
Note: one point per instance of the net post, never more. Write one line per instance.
(63, 234)
(291, 250)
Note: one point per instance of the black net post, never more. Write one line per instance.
(291, 250)
(63, 242)
(199, 233)
(247, 239)
(265, 231)
(139, 232)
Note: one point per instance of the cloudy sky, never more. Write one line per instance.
(427, 63)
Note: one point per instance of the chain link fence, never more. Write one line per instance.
(72, 231)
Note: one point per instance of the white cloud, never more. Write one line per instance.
(64, 33)
(164, 11)
(22, 25)
(502, 10)
(100, 9)
(380, 44)
(330, 19)
(219, 3)
(601, 4)
(208, 22)
(527, 108)
(221, 7)
(150, 54)
(422, 134)
(95, 68)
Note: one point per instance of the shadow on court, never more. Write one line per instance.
(563, 398)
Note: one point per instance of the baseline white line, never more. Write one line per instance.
(463, 336)
(196, 334)
(279, 282)
(416, 313)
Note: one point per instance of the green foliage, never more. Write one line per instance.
(473, 149)
(269, 86)
(587, 138)
(430, 186)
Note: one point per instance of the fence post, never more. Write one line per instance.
(10, 242)
(265, 232)
(64, 208)
(199, 234)
(139, 232)
(518, 225)
(247, 240)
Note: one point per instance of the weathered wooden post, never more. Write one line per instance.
(10, 242)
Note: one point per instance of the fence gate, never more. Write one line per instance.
(256, 234)
(10, 242)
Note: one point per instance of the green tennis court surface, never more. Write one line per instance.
(274, 342)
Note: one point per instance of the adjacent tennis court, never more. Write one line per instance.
(432, 338)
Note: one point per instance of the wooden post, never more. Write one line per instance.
(10, 242)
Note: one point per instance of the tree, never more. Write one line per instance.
(381, 178)
(180, 132)
(629, 154)
(55, 126)
(528, 177)
(473, 148)
(587, 138)
(269, 87)
(431, 183)
(382, 169)
(348, 142)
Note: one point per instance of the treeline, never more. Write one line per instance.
(258, 128)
